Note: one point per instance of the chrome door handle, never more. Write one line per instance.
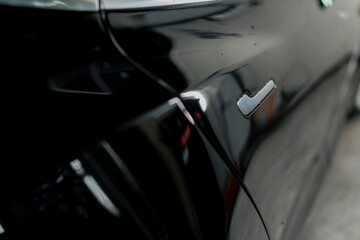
(248, 105)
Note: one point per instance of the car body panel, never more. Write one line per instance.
(214, 54)
(125, 122)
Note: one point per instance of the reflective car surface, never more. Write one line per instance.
(171, 119)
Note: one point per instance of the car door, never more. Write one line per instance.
(178, 187)
(267, 82)
(96, 148)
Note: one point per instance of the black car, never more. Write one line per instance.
(171, 119)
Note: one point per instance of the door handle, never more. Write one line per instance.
(248, 105)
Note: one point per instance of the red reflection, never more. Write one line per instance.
(231, 192)
(230, 196)
(185, 136)
(267, 109)
(198, 115)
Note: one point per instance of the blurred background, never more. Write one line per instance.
(336, 212)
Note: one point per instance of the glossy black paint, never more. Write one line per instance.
(70, 73)
(192, 192)
(124, 124)
(70, 88)
(65, 87)
(213, 54)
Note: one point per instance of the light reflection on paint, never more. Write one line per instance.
(49, 4)
(197, 96)
(77, 167)
(100, 196)
(178, 102)
(79, 5)
(126, 4)
(186, 156)
(95, 188)
(2, 230)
